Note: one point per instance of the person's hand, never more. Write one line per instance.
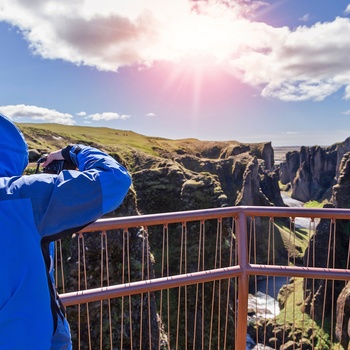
(56, 155)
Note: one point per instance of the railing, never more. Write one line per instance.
(192, 280)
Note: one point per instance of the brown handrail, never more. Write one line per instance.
(206, 214)
(242, 270)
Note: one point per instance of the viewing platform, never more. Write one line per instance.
(225, 278)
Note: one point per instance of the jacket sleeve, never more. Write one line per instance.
(75, 198)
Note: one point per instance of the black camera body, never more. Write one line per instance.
(55, 167)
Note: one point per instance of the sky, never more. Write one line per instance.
(216, 70)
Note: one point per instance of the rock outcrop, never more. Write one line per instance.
(341, 199)
(329, 248)
(289, 167)
(313, 171)
(342, 326)
(190, 181)
(341, 191)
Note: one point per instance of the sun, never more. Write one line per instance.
(209, 36)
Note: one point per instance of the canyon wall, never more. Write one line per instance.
(313, 171)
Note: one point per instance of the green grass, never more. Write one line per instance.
(45, 135)
(111, 139)
(287, 189)
(315, 204)
(293, 317)
(293, 314)
(295, 242)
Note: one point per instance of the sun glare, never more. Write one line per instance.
(210, 36)
(198, 48)
(200, 45)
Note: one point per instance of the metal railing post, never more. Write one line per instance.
(242, 303)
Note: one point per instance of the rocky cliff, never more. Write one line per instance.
(313, 171)
(173, 175)
(329, 248)
(200, 181)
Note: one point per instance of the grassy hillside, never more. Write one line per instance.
(48, 137)
(51, 136)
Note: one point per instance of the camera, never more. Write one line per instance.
(55, 167)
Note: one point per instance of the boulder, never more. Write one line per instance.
(33, 155)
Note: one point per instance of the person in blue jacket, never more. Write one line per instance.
(34, 211)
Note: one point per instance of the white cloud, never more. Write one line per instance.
(346, 112)
(347, 10)
(150, 115)
(301, 91)
(307, 63)
(33, 113)
(305, 18)
(107, 116)
(288, 64)
(290, 133)
(24, 113)
(114, 34)
(347, 92)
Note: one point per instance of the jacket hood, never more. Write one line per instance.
(13, 149)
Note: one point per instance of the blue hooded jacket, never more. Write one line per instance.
(38, 207)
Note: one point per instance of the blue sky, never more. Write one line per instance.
(242, 70)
